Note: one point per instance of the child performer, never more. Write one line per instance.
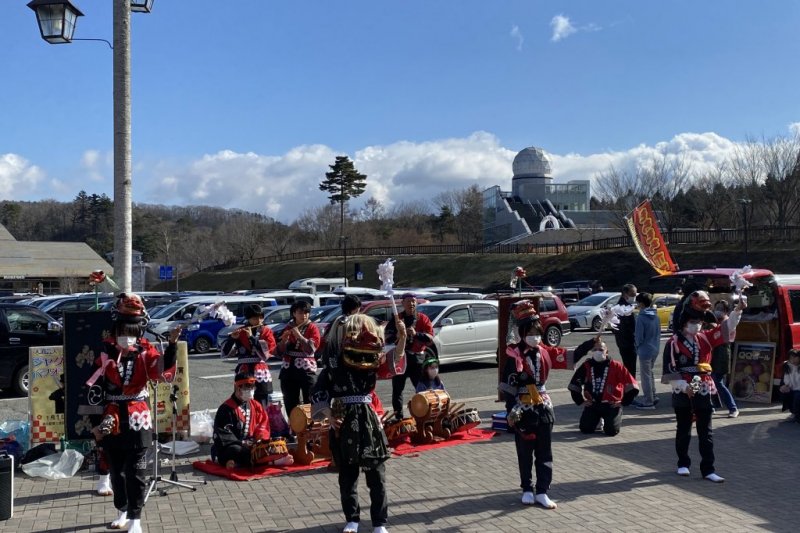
(429, 378)
(343, 393)
(529, 408)
(253, 344)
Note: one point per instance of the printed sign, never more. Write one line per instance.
(163, 413)
(753, 368)
(647, 237)
(46, 373)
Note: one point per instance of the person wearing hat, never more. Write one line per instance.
(125, 366)
(602, 386)
(297, 346)
(240, 422)
(253, 344)
(343, 394)
(419, 339)
(528, 406)
(687, 366)
(429, 377)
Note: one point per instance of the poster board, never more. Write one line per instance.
(753, 369)
(47, 396)
(84, 332)
(163, 414)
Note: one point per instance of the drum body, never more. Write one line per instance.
(400, 430)
(464, 420)
(300, 418)
(267, 452)
(429, 404)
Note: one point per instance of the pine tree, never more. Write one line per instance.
(342, 183)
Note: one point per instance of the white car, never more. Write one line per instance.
(585, 313)
(463, 330)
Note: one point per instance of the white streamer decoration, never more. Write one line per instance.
(386, 275)
(738, 281)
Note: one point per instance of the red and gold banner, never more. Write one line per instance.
(647, 237)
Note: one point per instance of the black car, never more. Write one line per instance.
(23, 326)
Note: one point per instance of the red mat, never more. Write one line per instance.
(473, 435)
(247, 474)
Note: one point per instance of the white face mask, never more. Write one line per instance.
(692, 328)
(247, 394)
(533, 340)
(598, 355)
(126, 342)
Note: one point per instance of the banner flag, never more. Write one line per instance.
(647, 237)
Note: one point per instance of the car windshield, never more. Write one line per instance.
(591, 301)
(168, 310)
(331, 315)
(319, 312)
(430, 310)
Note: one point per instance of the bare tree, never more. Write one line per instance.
(319, 226)
(779, 158)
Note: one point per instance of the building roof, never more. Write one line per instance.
(34, 259)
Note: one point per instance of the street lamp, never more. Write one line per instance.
(56, 19)
(343, 239)
(745, 202)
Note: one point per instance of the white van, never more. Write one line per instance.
(185, 309)
(315, 285)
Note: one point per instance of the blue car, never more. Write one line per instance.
(201, 335)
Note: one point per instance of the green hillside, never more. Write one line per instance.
(493, 271)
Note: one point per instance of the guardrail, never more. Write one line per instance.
(675, 237)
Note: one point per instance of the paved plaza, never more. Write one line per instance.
(603, 484)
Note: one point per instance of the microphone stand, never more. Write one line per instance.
(155, 479)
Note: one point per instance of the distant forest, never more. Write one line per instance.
(199, 237)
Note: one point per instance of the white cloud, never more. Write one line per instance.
(517, 37)
(18, 178)
(284, 185)
(97, 166)
(794, 128)
(562, 28)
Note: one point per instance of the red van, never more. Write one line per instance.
(769, 328)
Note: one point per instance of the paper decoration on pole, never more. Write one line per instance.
(516, 279)
(386, 275)
(647, 237)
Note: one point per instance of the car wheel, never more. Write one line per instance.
(202, 345)
(552, 336)
(596, 323)
(21, 381)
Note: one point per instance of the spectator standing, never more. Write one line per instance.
(790, 385)
(647, 337)
(624, 334)
(721, 362)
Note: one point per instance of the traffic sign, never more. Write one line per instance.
(165, 272)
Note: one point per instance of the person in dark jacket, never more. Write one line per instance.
(625, 332)
(602, 386)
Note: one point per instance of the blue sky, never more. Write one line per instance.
(244, 103)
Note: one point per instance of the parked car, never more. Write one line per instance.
(463, 330)
(586, 312)
(380, 310)
(554, 318)
(189, 309)
(572, 291)
(23, 326)
(665, 305)
(57, 308)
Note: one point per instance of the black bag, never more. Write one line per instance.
(39, 451)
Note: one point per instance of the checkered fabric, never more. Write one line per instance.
(41, 433)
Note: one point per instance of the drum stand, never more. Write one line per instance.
(155, 479)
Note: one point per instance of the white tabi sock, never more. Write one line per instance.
(104, 485)
(135, 526)
(121, 521)
(350, 527)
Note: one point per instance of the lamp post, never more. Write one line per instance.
(57, 19)
(343, 239)
(745, 202)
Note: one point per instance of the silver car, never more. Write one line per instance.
(463, 330)
(586, 313)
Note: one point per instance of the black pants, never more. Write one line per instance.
(128, 468)
(348, 489)
(541, 448)
(413, 371)
(683, 435)
(237, 452)
(611, 416)
(294, 382)
(628, 355)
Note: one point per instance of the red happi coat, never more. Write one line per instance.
(683, 360)
(258, 429)
(619, 386)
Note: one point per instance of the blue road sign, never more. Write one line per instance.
(165, 272)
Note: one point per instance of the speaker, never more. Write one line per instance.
(6, 486)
